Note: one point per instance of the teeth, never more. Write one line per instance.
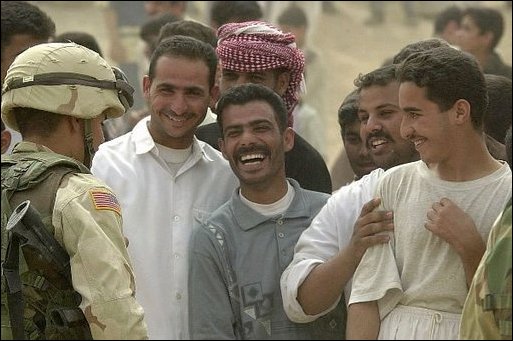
(377, 142)
(251, 156)
(175, 118)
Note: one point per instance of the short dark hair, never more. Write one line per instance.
(381, 76)
(189, 28)
(150, 30)
(293, 16)
(447, 75)
(81, 38)
(443, 18)
(245, 93)
(223, 12)
(488, 20)
(418, 46)
(188, 47)
(348, 111)
(32, 121)
(499, 111)
(21, 17)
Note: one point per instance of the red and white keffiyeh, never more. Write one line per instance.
(258, 46)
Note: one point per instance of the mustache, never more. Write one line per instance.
(253, 149)
(378, 134)
(172, 113)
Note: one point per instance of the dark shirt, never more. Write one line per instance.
(303, 162)
(496, 66)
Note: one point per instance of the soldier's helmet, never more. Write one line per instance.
(67, 79)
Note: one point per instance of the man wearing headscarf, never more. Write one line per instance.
(258, 52)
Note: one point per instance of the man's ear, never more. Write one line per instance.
(6, 140)
(488, 37)
(146, 87)
(220, 143)
(288, 139)
(283, 82)
(73, 124)
(215, 93)
(461, 111)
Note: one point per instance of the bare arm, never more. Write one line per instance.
(449, 222)
(326, 281)
(363, 321)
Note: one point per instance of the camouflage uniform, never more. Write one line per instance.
(79, 210)
(487, 310)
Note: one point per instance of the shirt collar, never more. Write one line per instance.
(247, 218)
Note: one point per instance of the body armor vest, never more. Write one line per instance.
(50, 305)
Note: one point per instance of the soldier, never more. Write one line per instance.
(57, 95)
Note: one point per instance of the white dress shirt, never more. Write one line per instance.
(158, 210)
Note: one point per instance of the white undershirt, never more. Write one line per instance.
(174, 158)
(276, 207)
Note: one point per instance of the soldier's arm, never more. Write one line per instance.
(89, 224)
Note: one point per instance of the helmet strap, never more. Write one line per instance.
(88, 143)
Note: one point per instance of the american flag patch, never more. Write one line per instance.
(103, 200)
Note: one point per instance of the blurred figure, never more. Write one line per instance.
(156, 8)
(80, 38)
(481, 32)
(150, 31)
(487, 311)
(223, 12)
(448, 23)
(377, 13)
(23, 25)
(307, 114)
(499, 111)
(356, 150)
(123, 20)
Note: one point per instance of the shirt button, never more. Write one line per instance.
(281, 235)
(176, 218)
(177, 256)
(280, 222)
(178, 296)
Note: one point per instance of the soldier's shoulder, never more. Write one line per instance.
(80, 183)
(87, 191)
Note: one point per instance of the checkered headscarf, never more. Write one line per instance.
(258, 46)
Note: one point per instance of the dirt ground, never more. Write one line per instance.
(347, 45)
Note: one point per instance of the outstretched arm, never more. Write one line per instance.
(326, 281)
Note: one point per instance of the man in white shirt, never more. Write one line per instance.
(165, 178)
(444, 205)
(329, 251)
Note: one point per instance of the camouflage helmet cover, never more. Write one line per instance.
(63, 78)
